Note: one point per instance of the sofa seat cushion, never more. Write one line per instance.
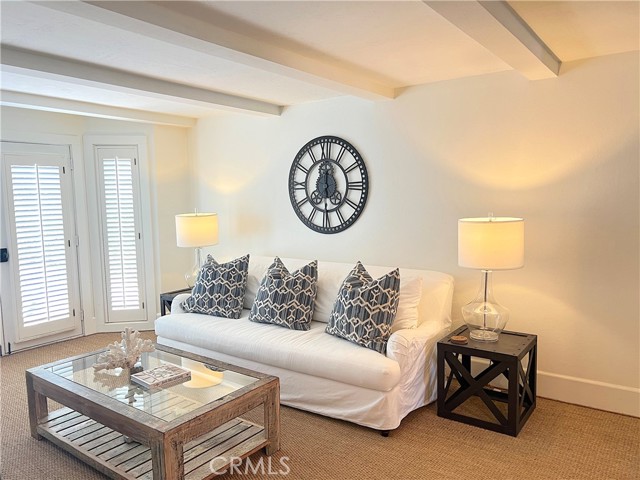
(312, 352)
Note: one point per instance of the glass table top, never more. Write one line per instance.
(208, 383)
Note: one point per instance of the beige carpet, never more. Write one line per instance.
(560, 441)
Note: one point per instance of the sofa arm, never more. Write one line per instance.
(176, 304)
(407, 345)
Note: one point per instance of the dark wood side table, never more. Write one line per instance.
(513, 356)
(167, 297)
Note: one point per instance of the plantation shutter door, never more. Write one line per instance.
(41, 223)
(121, 233)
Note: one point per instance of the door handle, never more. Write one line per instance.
(4, 255)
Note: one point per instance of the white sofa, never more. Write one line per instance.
(319, 372)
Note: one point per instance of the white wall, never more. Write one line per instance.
(173, 196)
(169, 179)
(562, 153)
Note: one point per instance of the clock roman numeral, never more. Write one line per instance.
(340, 216)
(326, 149)
(304, 169)
(312, 155)
(340, 154)
(312, 214)
(326, 221)
(351, 203)
(351, 167)
(301, 202)
(299, 186)
(355, 186)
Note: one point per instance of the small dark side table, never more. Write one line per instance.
(167, 297)
(506, 357)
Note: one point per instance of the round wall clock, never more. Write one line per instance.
(328, 184)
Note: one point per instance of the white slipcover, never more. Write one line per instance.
(319, 372)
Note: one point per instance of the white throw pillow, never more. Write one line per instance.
(410, 294)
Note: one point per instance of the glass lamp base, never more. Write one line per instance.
(192, 275)
(484, 335)
(485, 317)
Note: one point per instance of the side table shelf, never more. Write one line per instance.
(167, 297)
(513, 357)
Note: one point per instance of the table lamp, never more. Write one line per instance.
(196, 230)
(487, 244)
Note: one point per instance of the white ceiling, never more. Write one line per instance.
(191, 59)
(583, 29)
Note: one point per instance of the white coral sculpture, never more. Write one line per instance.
(126, 353)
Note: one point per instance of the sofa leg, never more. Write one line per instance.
(384, 433)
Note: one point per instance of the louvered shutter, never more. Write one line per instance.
(44, 285)
(42, 226)
(120, 224)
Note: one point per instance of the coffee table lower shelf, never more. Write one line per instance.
(109, 452)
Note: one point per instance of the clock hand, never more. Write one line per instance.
(323, 184)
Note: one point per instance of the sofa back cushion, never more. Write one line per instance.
(432, 291)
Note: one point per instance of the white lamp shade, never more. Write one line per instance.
(197, 229)
(491, 243)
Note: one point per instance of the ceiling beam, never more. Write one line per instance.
(188, 25)
(498, 28)
(74, 107)
(73, 71)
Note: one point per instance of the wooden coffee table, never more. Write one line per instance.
(189, 431)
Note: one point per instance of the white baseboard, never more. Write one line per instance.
(589, 393)
(579, 391)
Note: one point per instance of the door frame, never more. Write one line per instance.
(83, 251)
(49, 158)
(90, 141)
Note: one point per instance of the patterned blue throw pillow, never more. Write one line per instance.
(286, 299)
(219, 289)
(365, 308)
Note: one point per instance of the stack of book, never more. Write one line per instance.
(161, 376)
